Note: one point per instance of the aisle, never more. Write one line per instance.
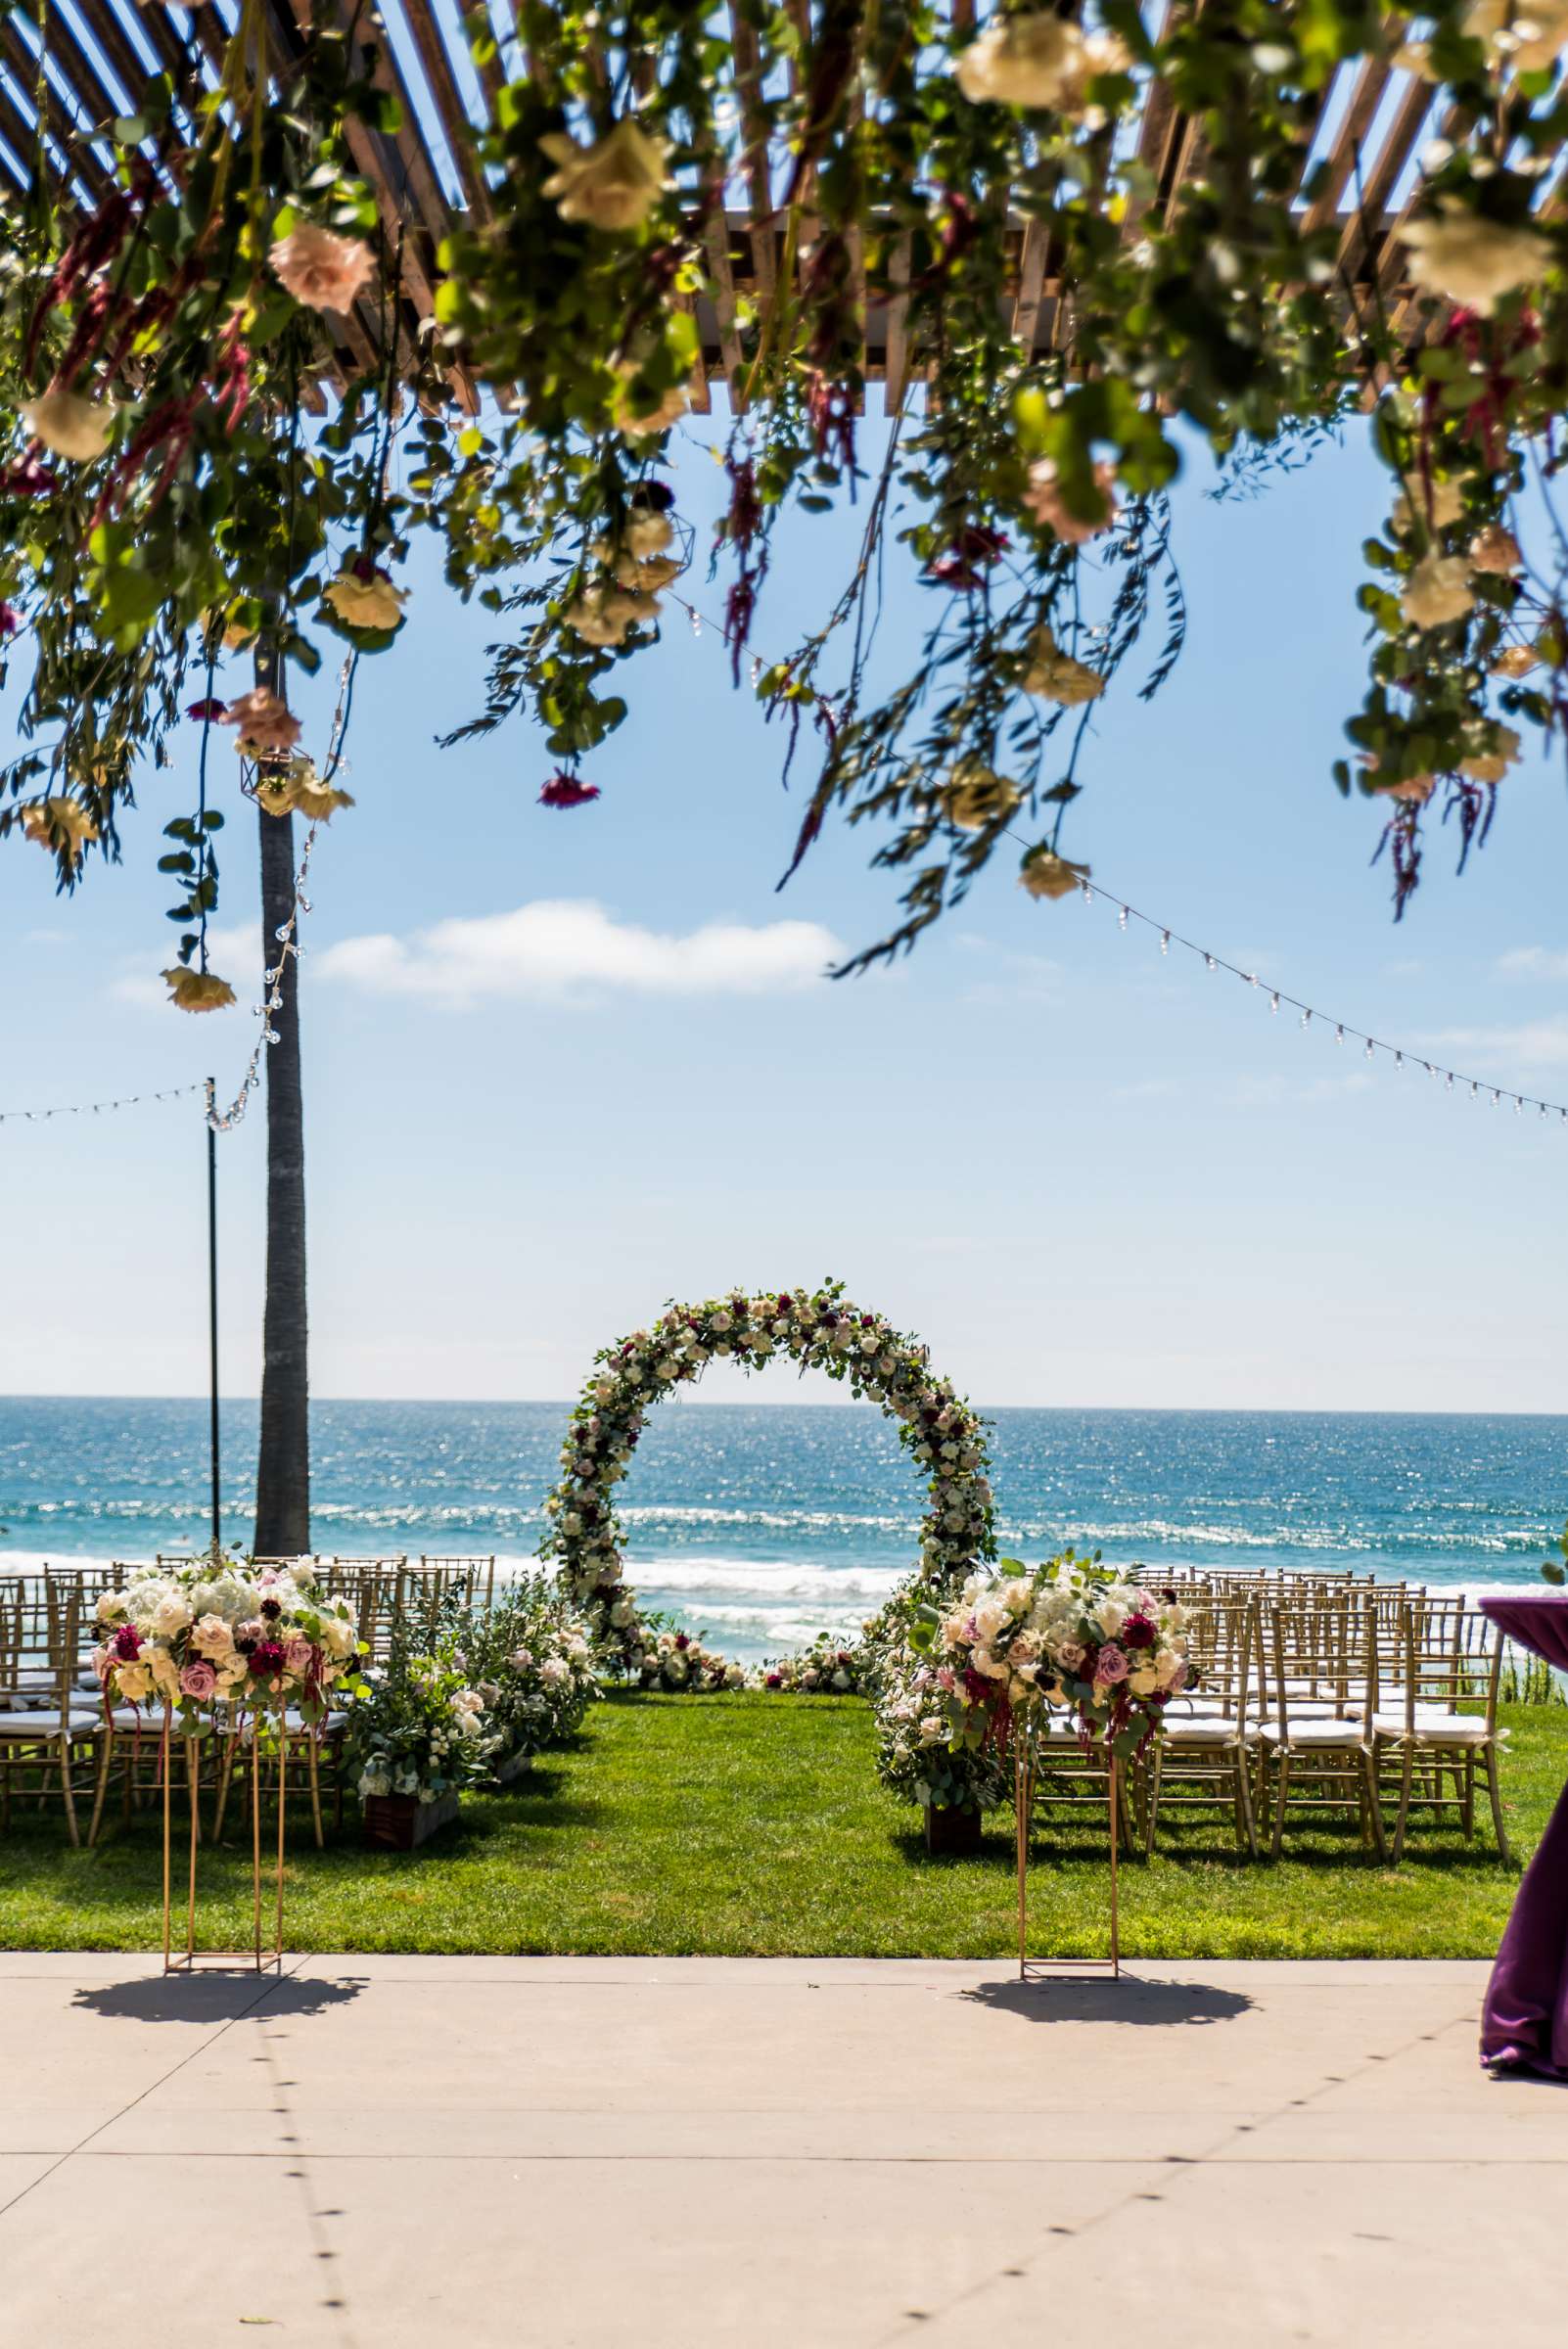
(385, 2151)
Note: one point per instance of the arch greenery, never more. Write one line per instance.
(818, 1330)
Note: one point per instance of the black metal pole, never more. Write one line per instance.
(213, 1311)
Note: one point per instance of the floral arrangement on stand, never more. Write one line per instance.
(534, 1663)
(197, 269)
(221, 1634)
(827, 1668)
(423, 1729)
(1069, 1635)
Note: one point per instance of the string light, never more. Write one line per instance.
(285, 935)
(1372, 1045)
(288, 949)
(1127, 913)
(94, 1109)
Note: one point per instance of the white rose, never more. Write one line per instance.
(1438, 591)
(1472, 260)
(171, 1614)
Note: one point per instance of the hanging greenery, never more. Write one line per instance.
(1087, 248)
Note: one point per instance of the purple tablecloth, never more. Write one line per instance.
(1524, 2023)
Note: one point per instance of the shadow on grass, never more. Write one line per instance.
(214, 1995)
(1129, 1998)
(1327, 1853)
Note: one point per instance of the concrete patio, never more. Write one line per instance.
(377, 2152)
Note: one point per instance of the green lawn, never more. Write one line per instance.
(754, 1826)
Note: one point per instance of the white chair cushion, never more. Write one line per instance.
(1216, 1731)
(46, 1723)
(1435, 1728)
(1328, 1733)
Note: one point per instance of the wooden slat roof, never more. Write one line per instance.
(428, 175)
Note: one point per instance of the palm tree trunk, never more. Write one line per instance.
(283, 1467)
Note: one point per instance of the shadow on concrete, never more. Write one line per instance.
(214, 1995)
(1096, 1999)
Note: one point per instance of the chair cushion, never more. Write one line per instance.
(1329, 1733)
(1435, 1728)
(46, 1723)
(1183, 1731)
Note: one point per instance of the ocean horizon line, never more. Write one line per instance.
(689, 1399)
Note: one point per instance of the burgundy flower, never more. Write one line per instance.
(9, 623)
(29, 478)
(784, 1301)
(211, 708)
(1138, 1631)
(267, 1659)
(127, 1644)
(775, 1680)
(270, 1608)
(971, 552)
(564, 790)
(682, 1640)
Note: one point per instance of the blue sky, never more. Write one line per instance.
(561, 1065)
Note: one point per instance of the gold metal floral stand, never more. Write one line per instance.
(1063, 1969)
(187, 1961)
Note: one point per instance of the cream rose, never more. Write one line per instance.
(1525, 33)
(1038, 60)
(70, 425)
(615, 183)
(1056, 677)
(1467, 258)
(1438, 591)
(265, 723)
(324, 272)
(366, 601)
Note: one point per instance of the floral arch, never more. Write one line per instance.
(821, 1330)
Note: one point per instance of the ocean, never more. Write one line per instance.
(764, 1524)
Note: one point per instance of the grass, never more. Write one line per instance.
(754, 1826)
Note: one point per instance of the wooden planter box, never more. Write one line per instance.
(400, 1822)
(951, 1834)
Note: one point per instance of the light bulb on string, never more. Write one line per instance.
(1274, 1000)
(1339, 1032)
(1121, 919)
(1165, 941)
(1210, 962)
(1306, 1019)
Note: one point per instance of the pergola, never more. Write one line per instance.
(71, 67)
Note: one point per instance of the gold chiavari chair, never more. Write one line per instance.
(1316, 1745)
(478, 1575)
(1429, 1747)
(1203, 1757)
(59, 1748)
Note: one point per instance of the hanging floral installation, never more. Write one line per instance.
(301, 291)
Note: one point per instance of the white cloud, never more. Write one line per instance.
(1538, 1044)
(1533, 962)
(559, 947)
